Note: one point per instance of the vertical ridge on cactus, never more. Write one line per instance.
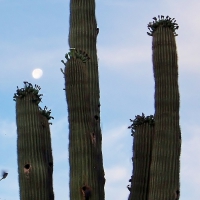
(165, 166)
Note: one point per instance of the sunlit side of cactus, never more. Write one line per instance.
(142, 129)
(165, 167)
(32, 146)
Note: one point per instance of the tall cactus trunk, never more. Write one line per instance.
(82, 139)
(143, 128)
(32, 144)
(165, 167)
(48, 149)
(83, 36)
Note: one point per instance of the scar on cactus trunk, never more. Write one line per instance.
(165, 167)
(142, 129)
(32, 146)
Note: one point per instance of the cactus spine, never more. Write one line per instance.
(33, 146)
(83, 36)
(142, 129)
(165, 167)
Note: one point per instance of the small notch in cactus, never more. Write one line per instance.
(51, 164)
(96, 117)
(27, 170)
(129, 187)
(177, 194)
(86, 191)
(97, 31)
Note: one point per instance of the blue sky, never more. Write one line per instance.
(34, 34)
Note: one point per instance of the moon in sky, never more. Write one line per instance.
(37, 73)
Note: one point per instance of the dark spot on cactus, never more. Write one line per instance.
(27, 170)
(96, 117)
(50, 164)
(43, 125)
(27, 166)
(97, 31)
(99, 105)
(177, 194)
(86, 191)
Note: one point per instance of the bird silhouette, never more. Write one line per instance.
(4, 175)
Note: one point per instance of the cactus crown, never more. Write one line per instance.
(164, 22)
(76, 54)
(27, 90)
(139, 120)
(45, 112)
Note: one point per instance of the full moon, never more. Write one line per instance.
(37, 73)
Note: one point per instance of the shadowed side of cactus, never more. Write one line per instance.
(83, 35)
(142, 129)
(82, 139)
(165, 168)
(44, 118)
(32, 160)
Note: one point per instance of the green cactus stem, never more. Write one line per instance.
(44, 118)
(83, 35)
(165, 166)
(82, 139)
(142, 129)
(33, 145)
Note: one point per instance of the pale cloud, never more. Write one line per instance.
(190, 162)
(116, 182)
(116, 174)
(117, 145)
(122, 57)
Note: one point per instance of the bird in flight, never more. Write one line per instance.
(4, 175)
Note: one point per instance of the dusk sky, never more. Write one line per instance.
(34, 34)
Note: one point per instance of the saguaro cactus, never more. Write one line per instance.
(44, 119)
(33, 146)
(142, 129)
(82, 139)
(165, 166)
(83, 36)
